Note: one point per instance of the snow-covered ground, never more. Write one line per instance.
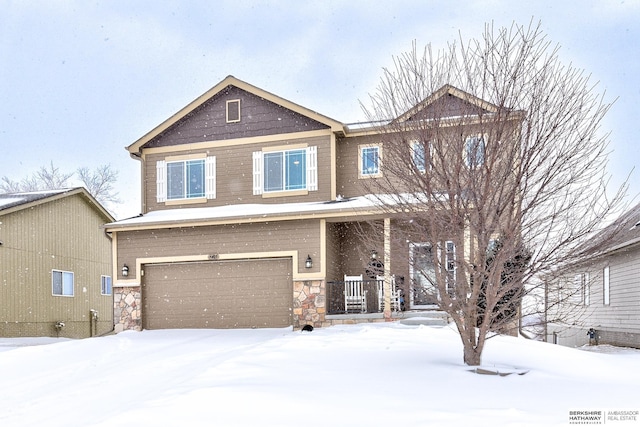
(358, 375)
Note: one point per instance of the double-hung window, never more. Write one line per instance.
(474, 151)
(186, 178)
(285, 170)
(369, 160)
(62, 283)
(420, 156)
(105, 285)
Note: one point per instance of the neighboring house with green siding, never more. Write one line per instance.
(55, 265)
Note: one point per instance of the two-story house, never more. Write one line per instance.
(251, 206)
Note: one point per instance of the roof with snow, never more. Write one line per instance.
(11, 202)
(363, 205)
(623, 232)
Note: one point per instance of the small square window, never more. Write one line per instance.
(233, 111)
(62, 283)
(105, 285)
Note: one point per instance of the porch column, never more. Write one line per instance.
(387, 269)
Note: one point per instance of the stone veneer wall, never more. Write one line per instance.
(127, 304)
(309, 303)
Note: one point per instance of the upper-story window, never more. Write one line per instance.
(285, 170)
(188, 178)
(233, 111)
(369, 160)
(474, 151)
(421, 155)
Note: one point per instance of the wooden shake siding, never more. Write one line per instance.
(55, 235)
(301, 236)
(234, 174)
(258, 117)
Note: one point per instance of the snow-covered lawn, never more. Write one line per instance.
(359, 375)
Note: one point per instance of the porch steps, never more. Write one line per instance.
(427, 318)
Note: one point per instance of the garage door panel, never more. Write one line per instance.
(239, 294)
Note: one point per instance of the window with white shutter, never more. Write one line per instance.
(186, 179)
(285, 170)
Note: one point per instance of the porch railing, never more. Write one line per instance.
(372, 297)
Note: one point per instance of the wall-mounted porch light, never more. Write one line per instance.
(309, 262)
(125, 270)
(374, 254)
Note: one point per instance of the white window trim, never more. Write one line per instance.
(73, 284)
(209, 179)
(361, 172)
(311, 168)
(233, 103)
(102, 280)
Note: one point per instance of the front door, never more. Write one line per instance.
(422, 270)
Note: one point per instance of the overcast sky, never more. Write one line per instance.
(81, 80)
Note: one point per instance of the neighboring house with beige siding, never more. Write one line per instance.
(250, 211)
(55, 265)
(605, 291)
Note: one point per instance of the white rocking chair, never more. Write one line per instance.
(355, 297)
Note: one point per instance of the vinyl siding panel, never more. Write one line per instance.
(63, 234)
(302, 236)
(234, 177)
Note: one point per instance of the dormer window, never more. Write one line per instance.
(233, 111)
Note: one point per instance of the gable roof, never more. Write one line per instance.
(623, 232)
(473, 102)
(334, 125)
(12, 202)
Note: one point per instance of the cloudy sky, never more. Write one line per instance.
(81, 80)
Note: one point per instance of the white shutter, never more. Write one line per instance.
(210, 177)
(257, 172)
(312, 168)
(161, 181)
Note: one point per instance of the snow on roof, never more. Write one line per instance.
(16, 199)
(247, 211)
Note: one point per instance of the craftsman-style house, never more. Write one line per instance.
(249, 210)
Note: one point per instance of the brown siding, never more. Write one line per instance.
(64, 234)
(301, 236)
(234, 174)
(259, 117)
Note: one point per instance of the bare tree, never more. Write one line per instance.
(493, 152)
(99, 182)
(50, 178)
